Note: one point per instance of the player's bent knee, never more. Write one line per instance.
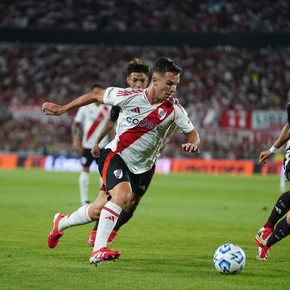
(94, 212)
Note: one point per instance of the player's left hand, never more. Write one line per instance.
(190, 147)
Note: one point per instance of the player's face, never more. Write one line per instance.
(166, 85)
(137, 80)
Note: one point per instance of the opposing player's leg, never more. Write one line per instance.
(281, 231)
(281, 207)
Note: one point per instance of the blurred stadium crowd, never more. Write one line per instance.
(213, 79)
(137, 15)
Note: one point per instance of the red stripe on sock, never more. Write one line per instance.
(111, 211)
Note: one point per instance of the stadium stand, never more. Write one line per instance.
(214, 80)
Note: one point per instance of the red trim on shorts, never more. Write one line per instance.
(106, 165)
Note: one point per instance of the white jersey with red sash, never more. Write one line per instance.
(93, 119)
(143, 126)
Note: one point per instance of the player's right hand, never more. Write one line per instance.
(264, 155)
(96, 151)
(51, 109)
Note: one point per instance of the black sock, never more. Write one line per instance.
(96, 226)
(281, 231)
(123, 218)
(281, 207)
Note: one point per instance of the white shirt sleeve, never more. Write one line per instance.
(79, 117)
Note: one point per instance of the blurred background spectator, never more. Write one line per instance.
(137, 15)
(215, 80)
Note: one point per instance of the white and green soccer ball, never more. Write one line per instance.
(229, 259)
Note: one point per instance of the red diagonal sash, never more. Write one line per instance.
(135, 133)
(96, 123)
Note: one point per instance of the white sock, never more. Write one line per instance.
(78, 217)
(84, 181)
(108, 219)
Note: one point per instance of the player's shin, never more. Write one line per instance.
(78, 217)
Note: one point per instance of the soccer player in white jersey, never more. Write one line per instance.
(137, 78)
(88, 123)
(277, 226)
(146, 116)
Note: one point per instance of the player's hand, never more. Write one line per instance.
(96, 151)
(51, 109)
(264, 155)
(190, 147)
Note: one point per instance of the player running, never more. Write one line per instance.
(137, 78)
(147, 115)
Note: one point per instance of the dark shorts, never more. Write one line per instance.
(114, 170)
(145, 181)
(87, 157)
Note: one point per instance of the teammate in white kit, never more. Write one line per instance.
(88, 123)
(146, 116)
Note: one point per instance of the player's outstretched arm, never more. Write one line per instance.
(96, 95)
(193, 142)
(281, 140)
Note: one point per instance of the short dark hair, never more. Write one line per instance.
(97, 85)
(138, 65)
(165, 64)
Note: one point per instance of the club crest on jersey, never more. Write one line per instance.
(118, 173)
(161, 113)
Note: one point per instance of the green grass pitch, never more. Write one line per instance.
(169, 243)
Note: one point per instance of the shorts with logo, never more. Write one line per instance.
(114, 170)
(145, 181)
(87, 157)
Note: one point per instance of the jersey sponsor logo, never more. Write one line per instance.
(118, 173)
(144, 123)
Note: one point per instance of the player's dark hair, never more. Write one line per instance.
(138, 65)
(165, 64)
(97, 85)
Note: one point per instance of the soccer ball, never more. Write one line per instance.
(229, 259)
